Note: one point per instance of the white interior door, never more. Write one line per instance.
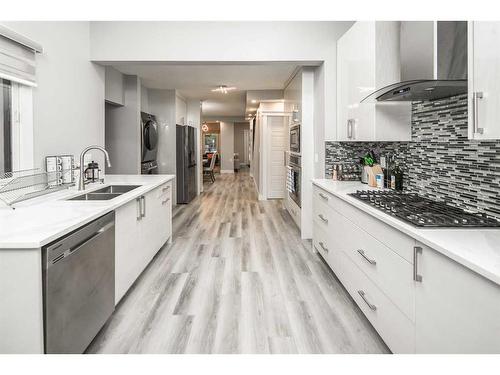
(276, 176)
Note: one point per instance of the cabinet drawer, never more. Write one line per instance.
(393, 326)
(392, 238)
(389, 271)
(164, 190)
(321, 214)
(324, 245)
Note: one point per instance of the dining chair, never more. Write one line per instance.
(209, 171)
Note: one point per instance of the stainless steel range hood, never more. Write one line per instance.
(433, 58)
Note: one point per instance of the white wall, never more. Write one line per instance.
(304, 42)
(162, 105)
(68, 104)
(319, 121)
(123, 131)
(180, 110)
(145, 99)
(227, 147)
(239, 138)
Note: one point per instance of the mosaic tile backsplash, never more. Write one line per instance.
(440, 161)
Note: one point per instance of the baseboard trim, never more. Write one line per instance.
(228, 171)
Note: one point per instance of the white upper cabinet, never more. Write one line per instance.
(368, 58)
(484, 80)
(113, 87)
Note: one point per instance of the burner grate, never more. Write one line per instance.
(423, 212)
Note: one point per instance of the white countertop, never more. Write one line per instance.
(39, 221)
(476, 249)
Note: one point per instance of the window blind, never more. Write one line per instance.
(17, 57)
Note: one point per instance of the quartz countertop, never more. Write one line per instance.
(39, 221)
(475, 248)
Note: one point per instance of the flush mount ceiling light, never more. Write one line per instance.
(223, 89)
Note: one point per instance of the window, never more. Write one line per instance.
(211, 143)
(6, 126)
(16, 127)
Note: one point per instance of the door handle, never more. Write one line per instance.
(475, 111)
(350, 128)
(139, 208)
(323, 246)
(416, 250)
(143, 211)
(370, 305)
(362, 253)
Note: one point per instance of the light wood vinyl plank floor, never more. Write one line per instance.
(237, 278)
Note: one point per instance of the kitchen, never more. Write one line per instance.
(365, 218)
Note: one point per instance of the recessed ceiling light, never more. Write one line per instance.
(254, 101)
(223, 89)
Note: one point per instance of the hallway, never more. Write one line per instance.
(237, 278)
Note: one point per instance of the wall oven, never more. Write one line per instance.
(295, 139)
(294, 178)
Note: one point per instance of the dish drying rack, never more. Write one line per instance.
(18, 186)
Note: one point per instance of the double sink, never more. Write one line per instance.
(105, 194)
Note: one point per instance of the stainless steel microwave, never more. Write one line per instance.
(295, 139)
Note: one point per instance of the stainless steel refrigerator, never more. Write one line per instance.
(186, 164)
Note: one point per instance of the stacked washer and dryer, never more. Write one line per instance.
(149, 144)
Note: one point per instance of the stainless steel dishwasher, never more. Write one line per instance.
(79, 285)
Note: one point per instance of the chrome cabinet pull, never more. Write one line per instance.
(416, 250)
(370, 305)
(143, 200)
(350, 128)
(362, 253)
(139, 208)
(475, 111)
(323, 218)
(323, 196)
(165, 201)
(165, 189)
(323, 246)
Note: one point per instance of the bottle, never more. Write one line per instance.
(397, 178)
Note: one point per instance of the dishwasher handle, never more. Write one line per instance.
(66, 253)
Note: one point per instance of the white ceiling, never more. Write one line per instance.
(194, 81)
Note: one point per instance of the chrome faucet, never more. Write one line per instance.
(81, 183)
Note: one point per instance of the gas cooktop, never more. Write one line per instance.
(423, 212)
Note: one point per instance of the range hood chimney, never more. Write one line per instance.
(433, 58)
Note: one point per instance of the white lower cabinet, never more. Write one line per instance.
(417, 299)
(142, 226)
(393, 326)
(457, 310)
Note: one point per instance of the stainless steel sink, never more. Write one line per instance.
(116, 189)
(95, 197)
